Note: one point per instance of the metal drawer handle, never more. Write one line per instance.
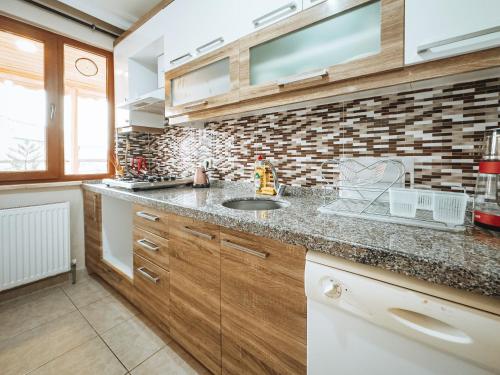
(268, 17)
(243, 249)
(196, 104)
(199, 234)
(150, 276)
(148, 245)
(147, 216)
(210, 45)
(315, 75)
(440, 43)
(180, 58)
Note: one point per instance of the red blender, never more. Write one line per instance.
(487, 196)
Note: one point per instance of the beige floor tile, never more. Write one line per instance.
(172, 360)
(31, 349)
(33, 310)
(107, 313)
(133, 341)
(91, 358)
(85, 292)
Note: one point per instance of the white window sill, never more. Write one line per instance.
(40, 185)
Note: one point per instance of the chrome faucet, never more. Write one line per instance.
(279, 188)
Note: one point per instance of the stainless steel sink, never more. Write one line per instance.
(255, 204)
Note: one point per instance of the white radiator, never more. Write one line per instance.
(34, 243)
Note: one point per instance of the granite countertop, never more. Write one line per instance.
(469, 261)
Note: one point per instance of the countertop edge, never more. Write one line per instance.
(411, 266)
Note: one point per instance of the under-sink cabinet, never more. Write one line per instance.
(195, 289)
(263, 305)
(207, 82)
(327, 43)
(233, 300)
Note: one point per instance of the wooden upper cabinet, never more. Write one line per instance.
(263, 305)
(207, 82)
(435, 29)
(330, 42)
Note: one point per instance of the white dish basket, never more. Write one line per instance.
(449, 207)
(425, 199)
(403, 202)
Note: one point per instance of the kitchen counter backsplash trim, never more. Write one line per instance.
(469, 261)
(440, 128)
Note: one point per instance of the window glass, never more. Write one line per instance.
(23, 118)
(86, 131)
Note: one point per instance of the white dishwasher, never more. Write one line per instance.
(362, 322)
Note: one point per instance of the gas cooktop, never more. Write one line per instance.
(146, 182)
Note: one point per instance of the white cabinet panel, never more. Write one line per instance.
(309, 3)
(195, 27)
(436, 29)
(257, 14)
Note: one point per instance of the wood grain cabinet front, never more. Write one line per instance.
(151, 247)
(152, 285)
(152, 220)
(195, 289)
(92, 229)
(263, 305)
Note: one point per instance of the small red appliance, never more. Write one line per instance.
(487, 195)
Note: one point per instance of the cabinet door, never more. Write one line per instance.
(194, 28)
(195, 289)
(92, 229)
(263, 305)
(440, 28)
(309, 3)
(257, 14)
(207, 82)
(327, 43)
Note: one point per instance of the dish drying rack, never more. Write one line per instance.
(376, 191)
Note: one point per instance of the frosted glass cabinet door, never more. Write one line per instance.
(208, 81)
(335, 40)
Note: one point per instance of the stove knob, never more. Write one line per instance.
(151, 179)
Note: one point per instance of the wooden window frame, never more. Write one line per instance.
(54, 86)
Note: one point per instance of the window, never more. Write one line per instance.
(85, 112)
(56, 114)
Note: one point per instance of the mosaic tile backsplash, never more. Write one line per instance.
(440, 128)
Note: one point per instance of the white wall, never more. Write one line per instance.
(46, 20)
(72, 194)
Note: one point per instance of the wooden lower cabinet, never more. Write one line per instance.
(92, 229)
(234, 301)
(93, 247)
(152, 286)
(195, 289)
(263, 305)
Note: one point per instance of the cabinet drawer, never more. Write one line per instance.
(152, 285)
(151, 220)
(151, 247)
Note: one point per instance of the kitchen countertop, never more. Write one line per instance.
(469, 261)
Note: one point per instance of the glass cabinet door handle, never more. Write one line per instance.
(196, 104)
(303, 77)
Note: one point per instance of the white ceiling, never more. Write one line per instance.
(120, 13)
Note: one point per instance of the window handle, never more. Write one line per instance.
(52, 111)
